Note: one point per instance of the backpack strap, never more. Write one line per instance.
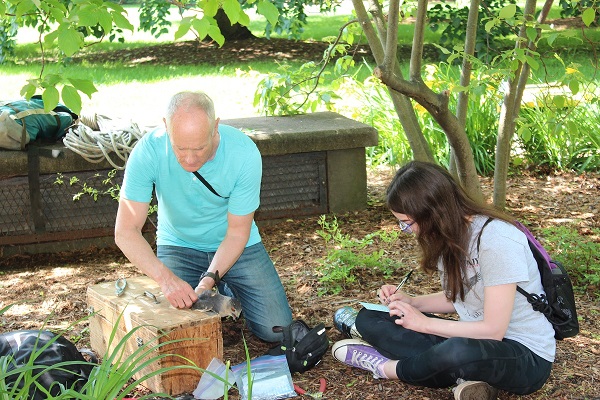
(490, 219)
(21, 115)
(208, 185)
(24, 124)
(537, 302)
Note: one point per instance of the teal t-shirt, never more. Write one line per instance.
(189, 214)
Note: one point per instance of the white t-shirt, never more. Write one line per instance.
(504, 257)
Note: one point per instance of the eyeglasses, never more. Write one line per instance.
(404, 227)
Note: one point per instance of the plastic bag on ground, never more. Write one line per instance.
(270, 375)
(211, 388)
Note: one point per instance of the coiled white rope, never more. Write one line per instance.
(96, 137)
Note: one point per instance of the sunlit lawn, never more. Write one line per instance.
(137, 93)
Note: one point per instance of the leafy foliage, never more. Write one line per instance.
(67, 24)
(113, 377)
(453, 23)
(345, 255)
(558, 130)
(584, 8)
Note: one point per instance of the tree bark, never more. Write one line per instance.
(383, 43)
(512, 105)
(231, 32)
(404, 108)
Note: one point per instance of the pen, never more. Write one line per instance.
(403, 281)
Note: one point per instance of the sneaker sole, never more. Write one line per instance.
(476, 391)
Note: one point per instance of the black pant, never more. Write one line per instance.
(434, 361)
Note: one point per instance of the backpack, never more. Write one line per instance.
(22, 121)
(55, 360)
(303, 347)
(558, 301)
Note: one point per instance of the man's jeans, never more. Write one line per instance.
(253, 280)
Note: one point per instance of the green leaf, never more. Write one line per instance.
(24, 7)
(243, 19)
(51, 80)
(121, 21)
(588, 16)
(50, 98)
(28, 90)
(233, 10)
(83, 85)
(442, 49)
(88, 16)
(551, 39)
(517, 161)
(114, 6)
(69, 40)
(50, 37)
(201, 26)
(57, 14)
(105, 20)
(458, 88)
(532, 33)
(572, 128)
(215, 33)
(559, 101)
(533, 63)
(184, 27)
(574, 86)
(490, 25)
(210, 8)
(525, 134)
(71, 98)
(508, 11)
(269, 10)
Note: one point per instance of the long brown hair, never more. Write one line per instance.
(430, 196)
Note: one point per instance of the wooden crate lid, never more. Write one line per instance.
(140, 309)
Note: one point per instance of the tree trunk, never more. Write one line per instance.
(383, 44)
(231, 32)
(511, 107)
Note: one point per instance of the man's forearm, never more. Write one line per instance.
(139, 252)
(226, 255)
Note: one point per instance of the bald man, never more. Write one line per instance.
(206, 178)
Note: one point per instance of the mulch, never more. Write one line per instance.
(50, 288)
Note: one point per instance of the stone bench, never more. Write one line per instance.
(312, 164)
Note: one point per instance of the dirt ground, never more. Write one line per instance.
(49, 289)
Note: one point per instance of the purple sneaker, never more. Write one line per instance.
(360, 354)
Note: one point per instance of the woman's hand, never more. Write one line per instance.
(388, 293)
(408, 316)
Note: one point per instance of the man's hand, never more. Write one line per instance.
(178, 292)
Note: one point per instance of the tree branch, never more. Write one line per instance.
(416, 54)
(391, 45)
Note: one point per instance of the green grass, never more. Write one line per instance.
(111, 74)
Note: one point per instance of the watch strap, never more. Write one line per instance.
(213, 275)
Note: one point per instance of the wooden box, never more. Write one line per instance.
(160, 323)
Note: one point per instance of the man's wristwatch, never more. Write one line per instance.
(213, 275)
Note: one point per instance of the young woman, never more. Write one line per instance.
(498, 341)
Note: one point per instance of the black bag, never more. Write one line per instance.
(303, 347)
(44, 350)
(557, 302)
